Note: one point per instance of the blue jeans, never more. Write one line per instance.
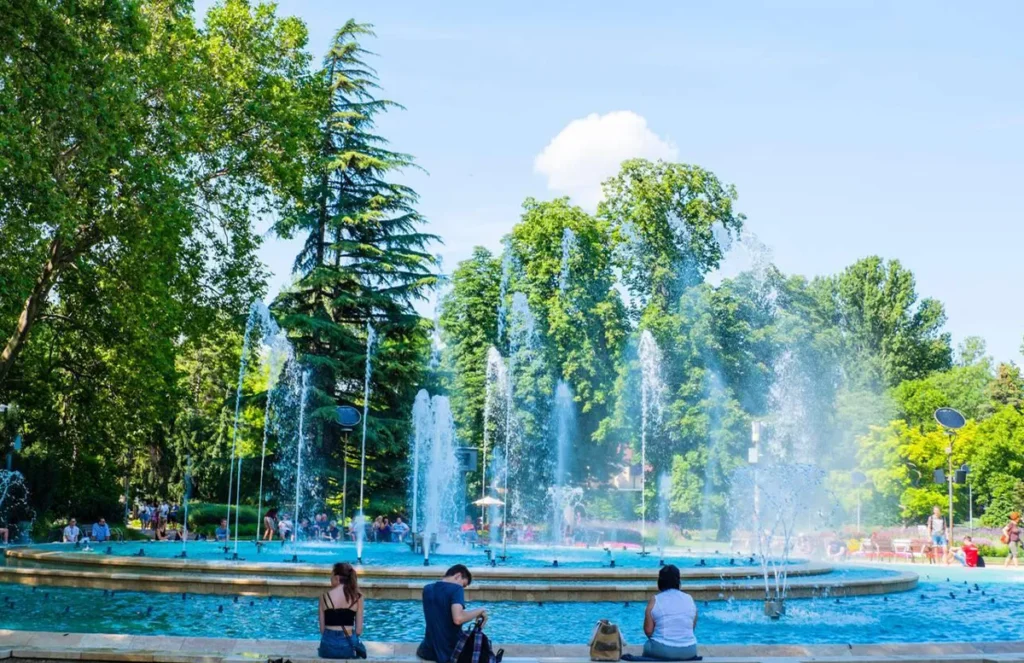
(335, 644)
(655, 649)
(939, 540)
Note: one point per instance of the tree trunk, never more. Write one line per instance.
(33, 306)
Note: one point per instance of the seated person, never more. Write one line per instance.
(161, 531)
(670, 619)
(967, 555)
(332, 532)
(5, 534)
(399, 530)
(100, 530)
(71, 532)
(222, 532)
(305, 531)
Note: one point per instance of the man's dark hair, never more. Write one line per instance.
(668, 577)
(461, 570)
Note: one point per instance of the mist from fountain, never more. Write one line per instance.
(716, 398)
(14, 495)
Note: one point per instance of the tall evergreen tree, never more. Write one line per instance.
(364, 263)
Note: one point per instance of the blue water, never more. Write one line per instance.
(929, 613)
(397, 554)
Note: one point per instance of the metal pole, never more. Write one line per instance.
(858, 513)
(970, 507)
(949, 542)
(344, 482)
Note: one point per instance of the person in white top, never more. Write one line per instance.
(670, 619)
(71, 532)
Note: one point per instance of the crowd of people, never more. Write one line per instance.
(279, 525)
(670, 618)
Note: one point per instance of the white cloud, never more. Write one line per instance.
(589, 150)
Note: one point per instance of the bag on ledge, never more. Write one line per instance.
(475, 647)
(606, 644)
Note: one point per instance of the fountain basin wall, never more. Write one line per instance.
(48, 558)
(812, 586)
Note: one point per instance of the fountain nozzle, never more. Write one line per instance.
(426, 561)
(555, 564)
(612, 563)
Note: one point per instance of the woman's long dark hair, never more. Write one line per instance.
(347, 579)
(668, 577)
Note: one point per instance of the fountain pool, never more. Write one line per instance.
(398, 554)
(949, 604)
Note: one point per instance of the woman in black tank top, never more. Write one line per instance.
(341, 616)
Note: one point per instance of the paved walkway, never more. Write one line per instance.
(38, 646)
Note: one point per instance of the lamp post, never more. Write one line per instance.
(951, 421)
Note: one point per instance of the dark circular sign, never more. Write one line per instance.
(949, 418)
(348, 416)
(857, 477)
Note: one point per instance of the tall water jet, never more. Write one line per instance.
(422, 425)
(299, 445)
(651, 403)
(494, 389)
(256, 314)
(278, 355)
(371, 337)
(186, 493)
(564, 420)
(443, 482)
(664, 497)
(437, 486)
(507, 260)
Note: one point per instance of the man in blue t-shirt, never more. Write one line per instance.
(444, 608)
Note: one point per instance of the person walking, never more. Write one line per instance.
(341, 615)
(670, 619)
(444, 610)
(937, 531)
(1012, 535)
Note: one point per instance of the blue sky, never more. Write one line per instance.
(848, 128)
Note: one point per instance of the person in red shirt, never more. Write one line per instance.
(968, 553)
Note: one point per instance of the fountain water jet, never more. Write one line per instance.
(371, 337)
(651, 399)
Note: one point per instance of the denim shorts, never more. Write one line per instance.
(335, 644)
(938, 539)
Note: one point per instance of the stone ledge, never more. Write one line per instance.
(113, 648)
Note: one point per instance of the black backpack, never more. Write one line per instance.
(475, 647)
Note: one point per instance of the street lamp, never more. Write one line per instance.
(348, 419)
(951, 421)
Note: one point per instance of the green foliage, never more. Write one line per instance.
(468, 319)
(887, 335)
(364, 262)
(137, 149)
(670, 220)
